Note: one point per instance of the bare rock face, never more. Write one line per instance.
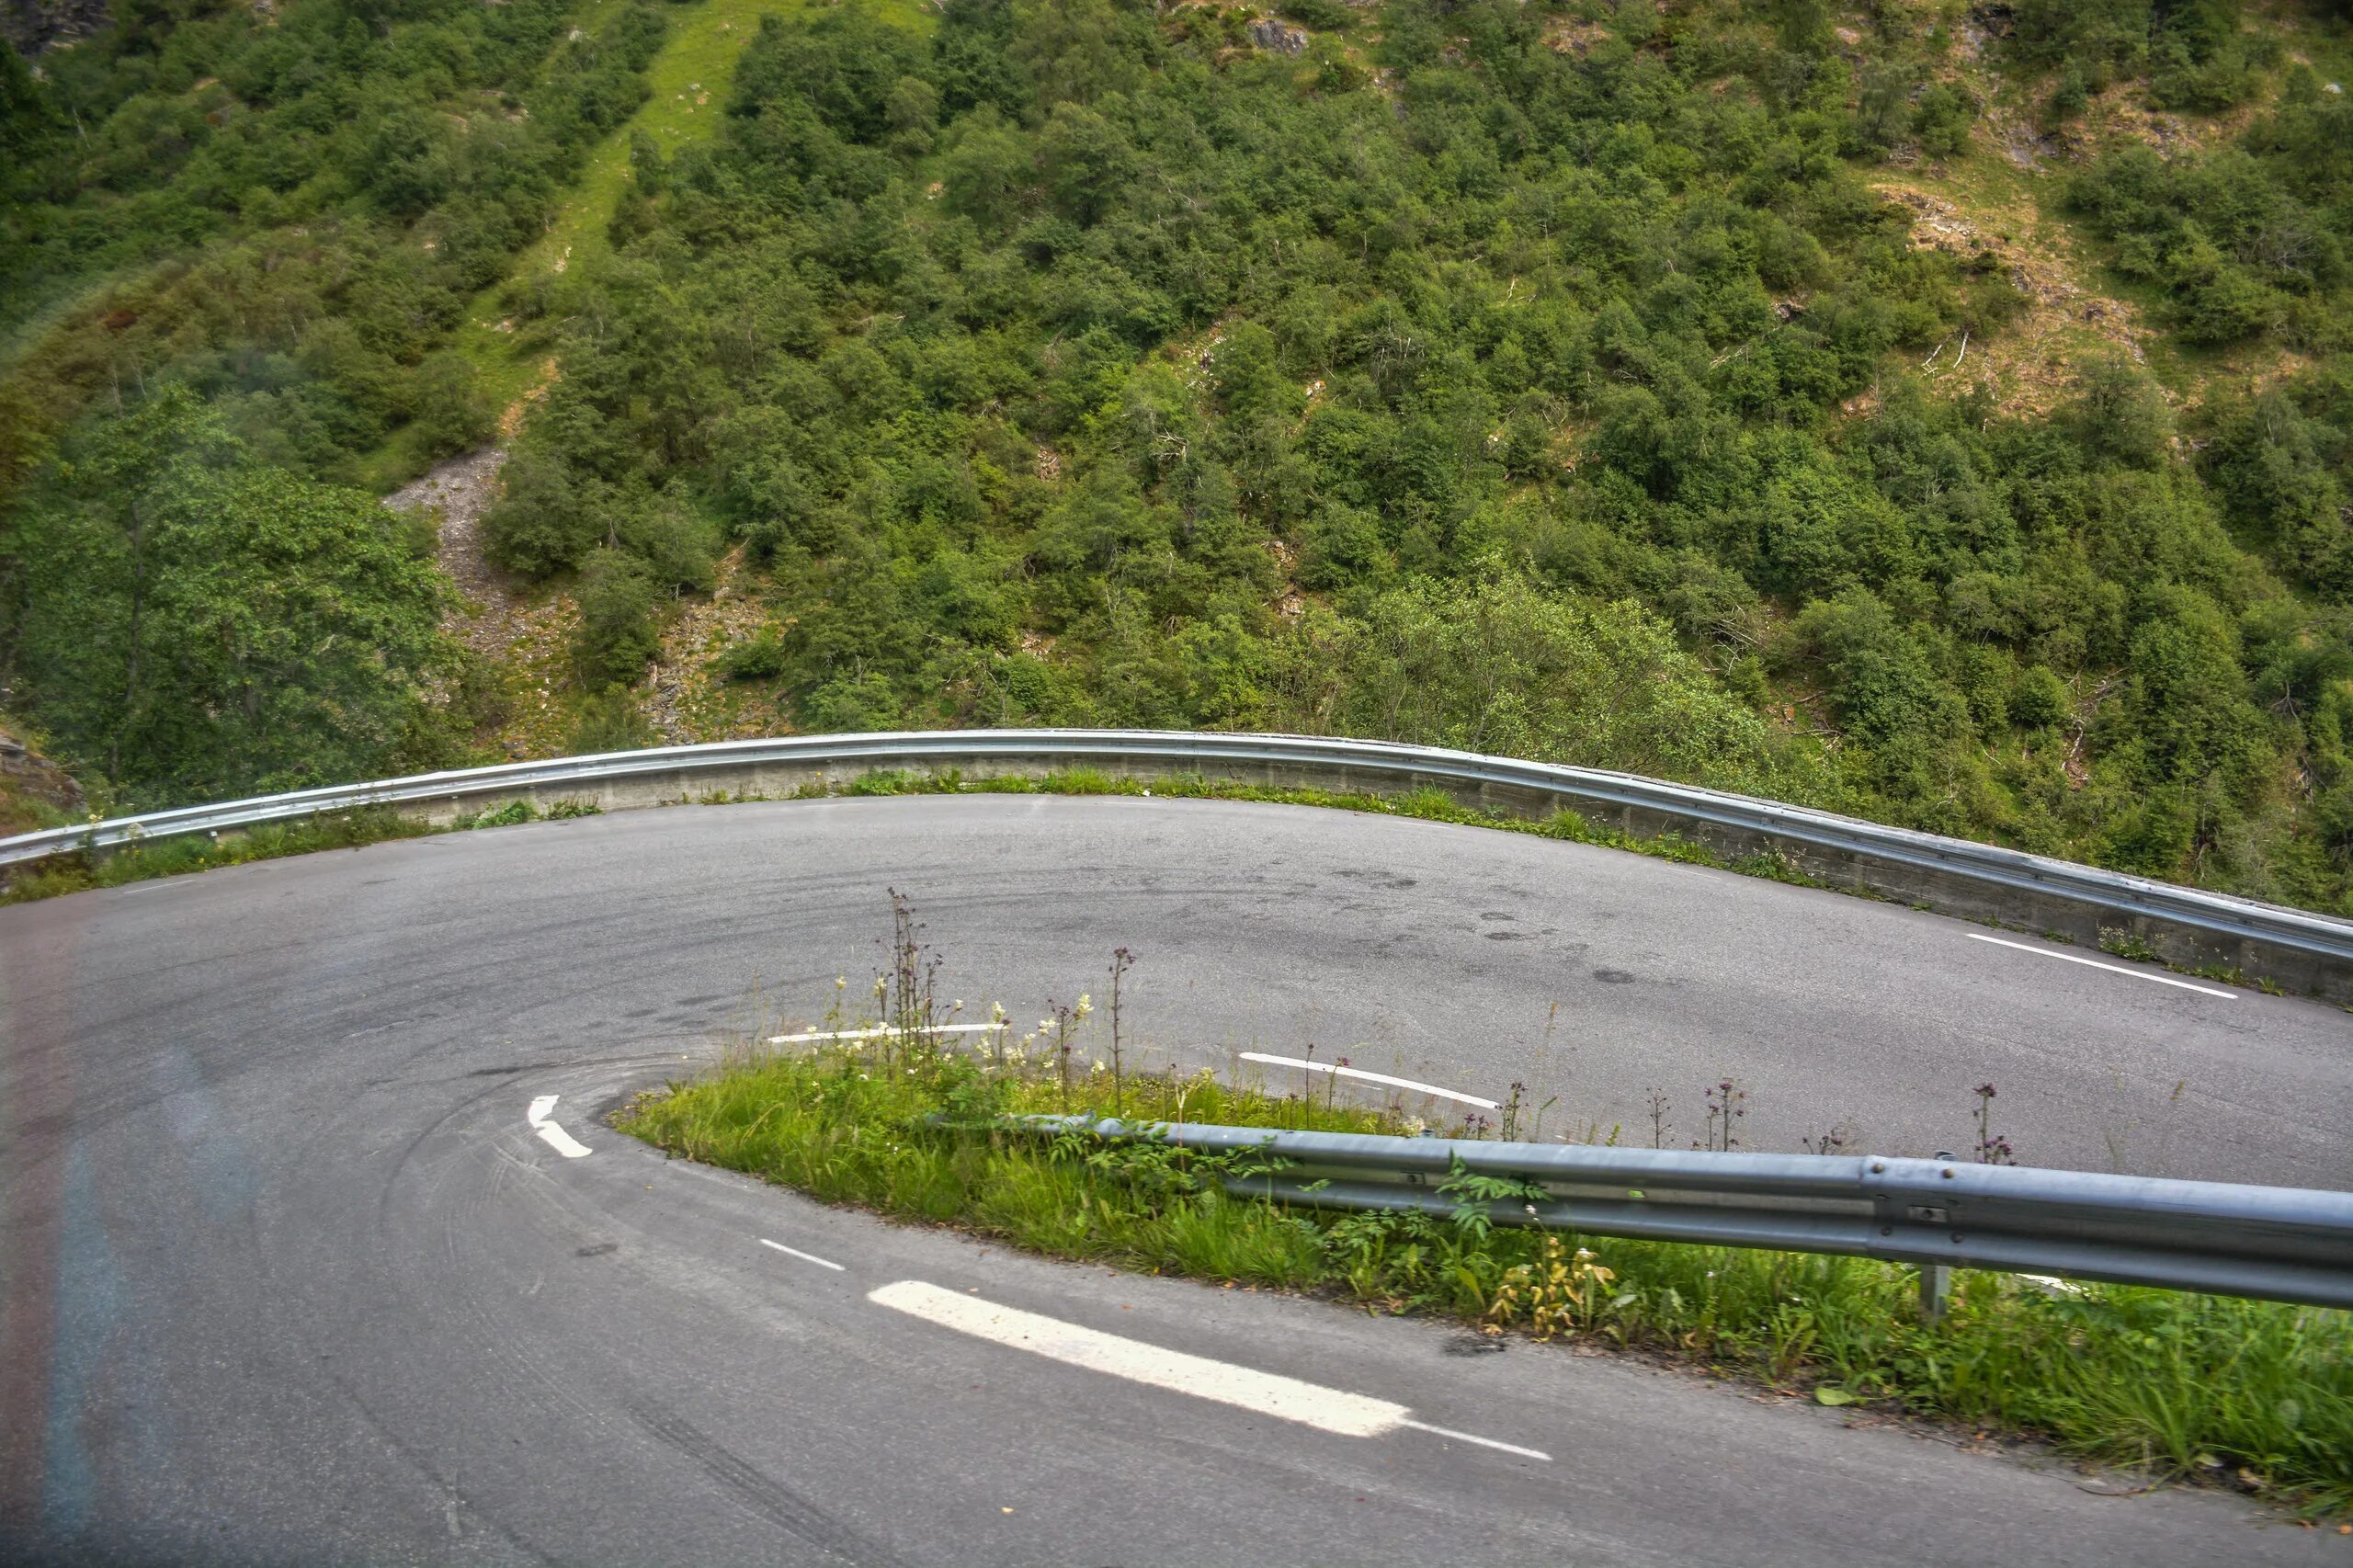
(32, 25)
(456, 494)
(1276, 38)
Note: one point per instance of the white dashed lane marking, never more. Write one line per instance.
(1363, 1076)
(804, 1256)
(2095, 963)
(1268, 1393)
(556, 1138)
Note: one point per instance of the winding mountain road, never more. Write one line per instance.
(301, 1262)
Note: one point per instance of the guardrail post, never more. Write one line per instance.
(1936, 1289)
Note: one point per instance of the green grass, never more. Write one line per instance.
(2186, 1385)
(271, 841)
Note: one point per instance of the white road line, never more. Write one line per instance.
(2095, 963)
(1358, 1072)
(1482, 1442)
(1268, 1393)
(804, 1256)
(883, 1032)
(562, 1142)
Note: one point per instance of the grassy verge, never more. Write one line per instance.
(2256, 1394)
(271, 841)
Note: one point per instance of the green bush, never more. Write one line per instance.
(618, 635)
(2039, 699)
(541, 521)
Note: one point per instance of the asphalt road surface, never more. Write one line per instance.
(301, 1265)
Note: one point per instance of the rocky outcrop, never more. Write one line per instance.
(1277, 38)
(32, 25)
(33, 790)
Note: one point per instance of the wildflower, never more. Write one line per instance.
(841, 981)
(1086, 1006)
(957, 1006)
(1986, 1090)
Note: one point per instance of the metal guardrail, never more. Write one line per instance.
(1989, 866)
(2270, 1243)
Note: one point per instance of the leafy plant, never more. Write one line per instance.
(1552, 1293)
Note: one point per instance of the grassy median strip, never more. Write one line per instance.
(2254, 1395)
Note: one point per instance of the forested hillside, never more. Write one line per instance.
(1937, 414)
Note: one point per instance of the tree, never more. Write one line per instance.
(198, 626)
(616, 637)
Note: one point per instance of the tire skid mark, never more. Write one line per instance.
(771, 1500)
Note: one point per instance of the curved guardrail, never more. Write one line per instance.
(2308, 950)
(2271, 1243)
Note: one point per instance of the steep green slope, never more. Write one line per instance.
(1933, 413)
(235, 242)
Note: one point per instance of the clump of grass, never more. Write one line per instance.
(515, 812)
(2182, 1384)
(2121, 942)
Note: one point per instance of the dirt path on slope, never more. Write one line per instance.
(456, 493)
(528, 640)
